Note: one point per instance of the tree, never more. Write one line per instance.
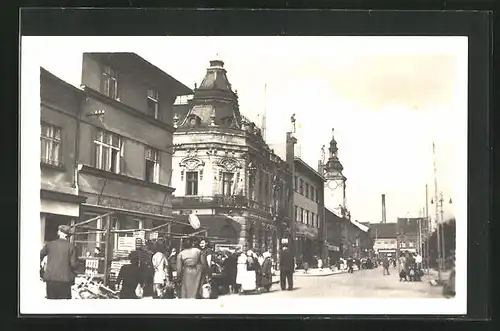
(449, 228)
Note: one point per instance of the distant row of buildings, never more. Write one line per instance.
(133, 148)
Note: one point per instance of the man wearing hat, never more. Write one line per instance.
(62, 263)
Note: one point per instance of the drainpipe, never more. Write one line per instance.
(77, 143)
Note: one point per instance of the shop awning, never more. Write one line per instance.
(306, 231)
(218, 226)
(333, 248)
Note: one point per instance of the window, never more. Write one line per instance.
(109, 151)
(312, 193)
(152, 165)
(50, 144)
(153, 103)
(297, 219)
(251, 187)
(317, 221)
(301, 187)
(266, 188)
(301, 215)
(307, 217)
(192, 183)
(317, 195)
(296, 183)
(227, 183)
(110, 85)
(313, 220)
(307, 190)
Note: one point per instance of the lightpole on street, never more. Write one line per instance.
(439, 203)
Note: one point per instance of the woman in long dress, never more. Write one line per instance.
(241, 269)
(249, 280)
(160, 277)
(189, 270)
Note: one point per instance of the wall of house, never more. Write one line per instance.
(59, 106)
(132, 87)
(137, 134)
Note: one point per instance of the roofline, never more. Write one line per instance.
(48, 74)
(142, 61)
(307, 166)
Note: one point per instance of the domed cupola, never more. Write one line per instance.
(214, 102)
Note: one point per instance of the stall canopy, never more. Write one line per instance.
(218, 226)
(306, 231)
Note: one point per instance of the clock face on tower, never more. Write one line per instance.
(333, 185)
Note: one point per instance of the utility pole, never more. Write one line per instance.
(443, 249)
(437, 211)
(428, 232)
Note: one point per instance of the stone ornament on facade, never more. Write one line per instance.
(190, 163)
(229, 164)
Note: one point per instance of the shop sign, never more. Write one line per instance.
(140, 235)
(126, 244)
(153, 235)
(228, 248)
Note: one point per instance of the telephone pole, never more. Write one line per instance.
(441, 207)
(428, 229)
(437, 211)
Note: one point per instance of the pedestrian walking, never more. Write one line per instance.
(61, 265)
(160, 277)
(350, 265)
(385, 265)
(130, 278)
(230, 270)
(267, 276)
(241, 270)
(172, 264)
(286, 269)
(320, 264)
(189, 270)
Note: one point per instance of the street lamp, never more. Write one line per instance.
(440, 232)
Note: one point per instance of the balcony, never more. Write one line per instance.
(219, 201)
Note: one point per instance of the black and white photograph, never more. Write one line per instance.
(269, 175)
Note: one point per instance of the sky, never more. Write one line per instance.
(388, 98)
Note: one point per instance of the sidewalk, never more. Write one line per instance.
(315, 272)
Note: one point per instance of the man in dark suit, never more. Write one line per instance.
(62, 263)
(286, 268)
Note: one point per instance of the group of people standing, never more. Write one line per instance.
(163, 276)
(161, 273)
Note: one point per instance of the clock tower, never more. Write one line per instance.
(335, 185)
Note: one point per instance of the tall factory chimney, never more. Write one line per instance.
(383, 209)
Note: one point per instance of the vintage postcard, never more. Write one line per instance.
(253, 175)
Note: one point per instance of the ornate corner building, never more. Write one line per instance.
(225, 172)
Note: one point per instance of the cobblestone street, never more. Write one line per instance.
(362, 284)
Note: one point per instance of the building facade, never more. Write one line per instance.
(410, 233)
(60, 200)
(224, 172)
(334, 229)
(124, 146)
(385, 239)
(309, 212)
